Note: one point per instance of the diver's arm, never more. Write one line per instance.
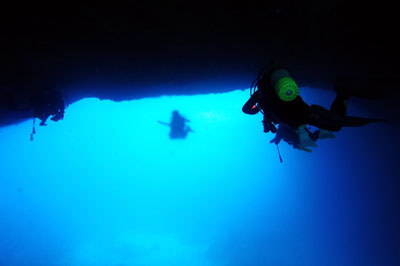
(43, 120)
(276, 140)
(164, 123)
(59, 114)
(268, 123)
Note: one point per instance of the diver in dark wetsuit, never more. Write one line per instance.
(276, 96)
(48, 103)
(179, 129)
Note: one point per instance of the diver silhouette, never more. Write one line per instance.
(40, 104)
(48, 103)
(179, 129)
(276, 95)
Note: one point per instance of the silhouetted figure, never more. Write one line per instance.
(39, 104)
(48, 103)
(179, 129)
(275, 94)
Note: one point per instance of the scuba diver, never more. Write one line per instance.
(276, 95)
(179, 129)
(40, 104)
(48, 103)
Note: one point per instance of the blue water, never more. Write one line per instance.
(107, 187)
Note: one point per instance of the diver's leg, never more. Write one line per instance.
(322, 118)
(339, 105)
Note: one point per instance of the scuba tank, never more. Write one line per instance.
(285, 87)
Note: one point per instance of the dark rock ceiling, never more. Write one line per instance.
(118, 51)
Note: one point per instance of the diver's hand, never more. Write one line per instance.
(57, 118)
(273, 128)
(275, 140)
(268, 126)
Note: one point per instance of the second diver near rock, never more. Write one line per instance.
(48, 103)
(45, 103)
(276, 95)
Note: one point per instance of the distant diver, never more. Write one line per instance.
(179, 129)
(276, 95)
(48, 103)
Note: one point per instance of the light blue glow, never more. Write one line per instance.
(107, 187)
